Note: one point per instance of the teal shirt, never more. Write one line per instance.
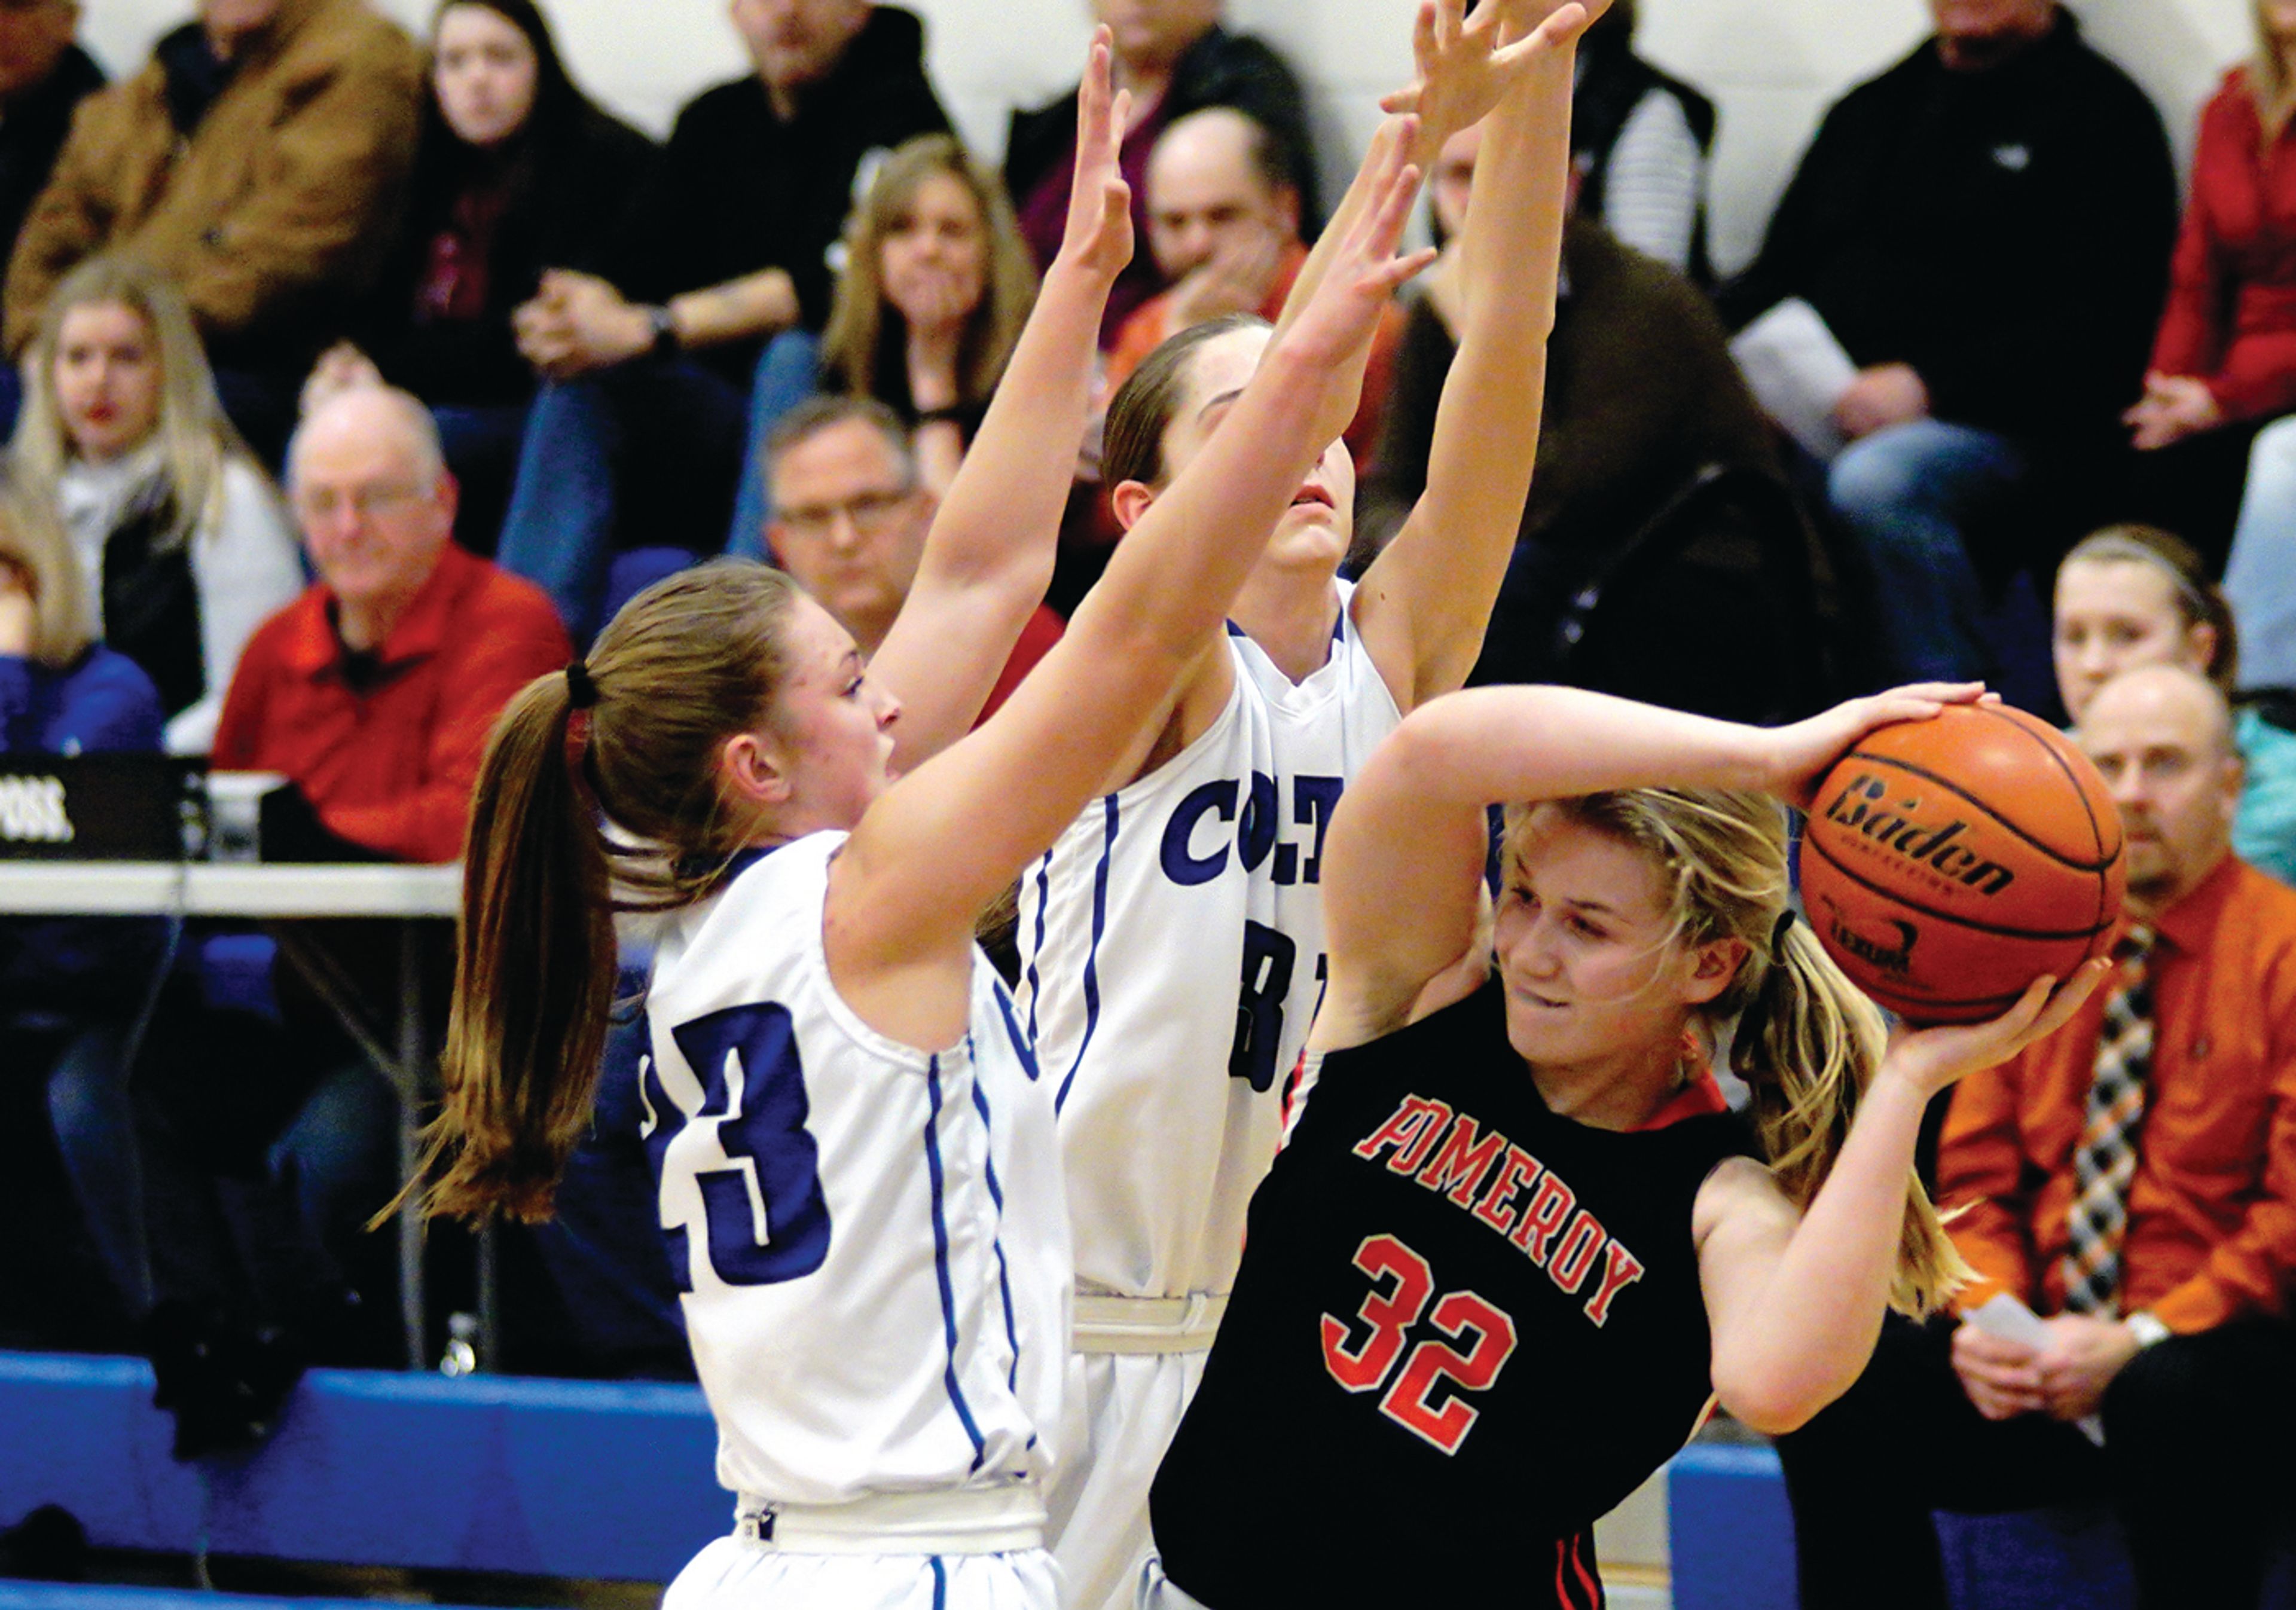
(2264, 831)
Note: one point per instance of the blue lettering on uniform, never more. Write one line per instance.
(1256, 835)
(764, 1127)
(1181, 865)
(1313, 801)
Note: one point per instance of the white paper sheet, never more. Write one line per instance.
(1797, 372)
(2004, 1316)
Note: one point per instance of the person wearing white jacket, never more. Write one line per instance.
(187, 545)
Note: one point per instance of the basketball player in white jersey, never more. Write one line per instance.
(855, 1150)
(1171, 942)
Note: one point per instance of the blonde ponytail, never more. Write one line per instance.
(1807, 1046)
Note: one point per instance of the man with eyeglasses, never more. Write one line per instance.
(374, 690)
(850, 514)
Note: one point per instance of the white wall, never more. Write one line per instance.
(1772, 64)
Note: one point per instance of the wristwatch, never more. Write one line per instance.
(2145, 1326)
(664, 325)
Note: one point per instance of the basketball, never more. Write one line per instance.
(1948, 863)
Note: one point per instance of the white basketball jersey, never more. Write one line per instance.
(870, 1239)
(1172, 959)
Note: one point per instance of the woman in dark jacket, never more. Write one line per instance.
(518, 172)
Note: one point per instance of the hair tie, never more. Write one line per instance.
(1778, 933)
(581, 692)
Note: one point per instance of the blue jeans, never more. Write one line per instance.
(679, 421)
(481, 442)
(789, 372)
(1907, 497)
(2260, 576)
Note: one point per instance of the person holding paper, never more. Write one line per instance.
(2131, 1179)
(1985, 230)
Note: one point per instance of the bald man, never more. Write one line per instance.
(1223, 226)
(374, 690)
(2179, 1338)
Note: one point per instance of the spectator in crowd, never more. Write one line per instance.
(518, 171)
(729, 245)
(1984, 228)
(1176, 58)
(2134, 595)
(72, 989)
(183, 544)
(372, 693)
(258, 161)
(43, 76)
(1640, 396)
(2132, 1179)
(851, 509)
(374, 690)
(1224, 228)
(1640, 138)
(2224, 362)
(936, 287)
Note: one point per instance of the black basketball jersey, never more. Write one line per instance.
(1464, 1327)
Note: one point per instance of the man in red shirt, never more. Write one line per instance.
(374, 690)
(851, 515)
(2133, 1178)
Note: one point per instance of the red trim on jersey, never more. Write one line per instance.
(1696, 1099)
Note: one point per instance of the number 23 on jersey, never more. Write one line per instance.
(1470, 1344)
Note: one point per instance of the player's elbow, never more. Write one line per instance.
(1770, 1400)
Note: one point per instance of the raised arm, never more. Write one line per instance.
(989, 555)
(1425, 601)
(934, 850)
(1404, 862)
(1795, 1300)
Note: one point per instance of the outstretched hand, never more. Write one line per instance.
(1098, 236)
(1804, 752)
(1340, 319)
(1933, 1058)
(1466, 65)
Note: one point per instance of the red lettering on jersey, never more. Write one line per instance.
(1412, 1128)
(1462, 1161)
(1407, 1285)
(1495, 1209)
(1409, 1403)
(1544, 1216)
(1625, 1269)
(1581, 1243)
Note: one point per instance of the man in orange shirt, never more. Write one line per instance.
(2133, 1178)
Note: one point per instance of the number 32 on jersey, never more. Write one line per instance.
(1472, 1343)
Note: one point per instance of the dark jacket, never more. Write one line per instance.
(1218, 69)
(1612, 83)
(2005, 231)
(32, 131)
(739, 190)
(1641, 396)
(564, 193)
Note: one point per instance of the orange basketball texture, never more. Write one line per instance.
(1948, 863)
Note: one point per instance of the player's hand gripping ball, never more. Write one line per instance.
(1948, 863)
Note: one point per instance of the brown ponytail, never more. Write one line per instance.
(1806, 1042)
(688, 663)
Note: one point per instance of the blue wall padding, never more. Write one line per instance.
(487, 1473)
(63, 1596)
(1730, 1530)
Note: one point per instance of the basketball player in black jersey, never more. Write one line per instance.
(1516, 1241)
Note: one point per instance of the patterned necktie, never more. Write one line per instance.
(2105, 1160)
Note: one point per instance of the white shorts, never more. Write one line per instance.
(1098, 1504)
(735, 1573)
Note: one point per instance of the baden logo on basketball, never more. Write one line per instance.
(1863, 805)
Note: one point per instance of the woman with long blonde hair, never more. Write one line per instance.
(1516, 1241)
(936, 286)
(184, 544)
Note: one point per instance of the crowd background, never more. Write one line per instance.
(1771, 66)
